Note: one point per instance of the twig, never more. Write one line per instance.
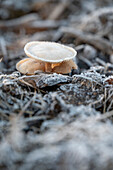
(100, 61)
(4, 50)
(31, 120)
(110, 105)
(99, 43)
(19, 21)
(58, 10)
(26, 83)
(85, 60)
(87, 78)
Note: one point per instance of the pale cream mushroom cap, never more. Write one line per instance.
(50, 52)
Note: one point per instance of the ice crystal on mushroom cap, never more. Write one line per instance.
(49, 51)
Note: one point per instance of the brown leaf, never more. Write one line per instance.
(109, 80)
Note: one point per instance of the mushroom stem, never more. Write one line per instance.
(48, 67)
(55, 65)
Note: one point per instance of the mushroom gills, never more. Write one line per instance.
(50, 66)
(65, 67)
(30, 66)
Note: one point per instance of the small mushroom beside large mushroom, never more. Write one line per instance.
(48, 57)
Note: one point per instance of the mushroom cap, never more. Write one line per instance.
(29, 66)
(50, 52)
(65, 67)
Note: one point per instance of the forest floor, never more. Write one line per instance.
(54, 121)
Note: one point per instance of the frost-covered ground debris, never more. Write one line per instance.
(86, 141)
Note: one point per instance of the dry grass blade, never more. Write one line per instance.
(27, 105)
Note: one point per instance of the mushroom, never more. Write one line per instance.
(48, 57)
(29, 66)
